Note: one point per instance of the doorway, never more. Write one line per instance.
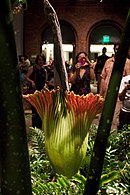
(68, 40)
(104, 35)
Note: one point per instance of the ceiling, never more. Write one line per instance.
(92, 1)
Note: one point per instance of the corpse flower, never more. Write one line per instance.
(66, 121)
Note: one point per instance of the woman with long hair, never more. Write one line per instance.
(37, 77)
(82, 74)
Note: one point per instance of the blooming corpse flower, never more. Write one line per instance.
(66, 121)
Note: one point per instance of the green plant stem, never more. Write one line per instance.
(97, 159)
(14, 158)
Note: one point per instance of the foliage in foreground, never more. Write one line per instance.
(115, 175)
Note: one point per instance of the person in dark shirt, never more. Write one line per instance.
(99, 66)
(81, 75)
(37, 77)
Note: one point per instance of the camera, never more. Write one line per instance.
(82, 61)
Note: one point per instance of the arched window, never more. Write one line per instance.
(68, 39)
(103, 35)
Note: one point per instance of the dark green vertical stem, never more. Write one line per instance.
(60, 74)
(97, 159)
(14, 159)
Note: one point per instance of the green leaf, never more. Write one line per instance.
(107, 178)
(63, 182)
(36, 190)
(79, 178)
(42, 186)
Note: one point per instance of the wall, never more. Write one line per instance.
(18, 30)
(83, 18)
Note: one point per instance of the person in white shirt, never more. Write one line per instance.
(124, 96)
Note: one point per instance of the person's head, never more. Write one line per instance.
(21, 58)
(116, 46)
(81, 55)
(104, 50)
(39, 60)
(50, 60)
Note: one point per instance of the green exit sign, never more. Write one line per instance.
(106, 39)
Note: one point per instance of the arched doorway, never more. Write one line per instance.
(68, 39)
(102, 35)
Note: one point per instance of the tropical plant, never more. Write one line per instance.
(44, 180)
(15, 170)
(66, 121)
(117, 162)
(115, 176)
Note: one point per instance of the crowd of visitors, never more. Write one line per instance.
(80, 76)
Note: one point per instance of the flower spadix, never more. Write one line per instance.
(66, 121)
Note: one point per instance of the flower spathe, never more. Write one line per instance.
(66, 121)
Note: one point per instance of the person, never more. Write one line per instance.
(24, 64)
(21, 62)
(81, 75)
(124, 96)
(105, 78)
(37, 77)
(99, 66)
(107, 70)
(68, 69)
(50, 72)
(50, 62)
